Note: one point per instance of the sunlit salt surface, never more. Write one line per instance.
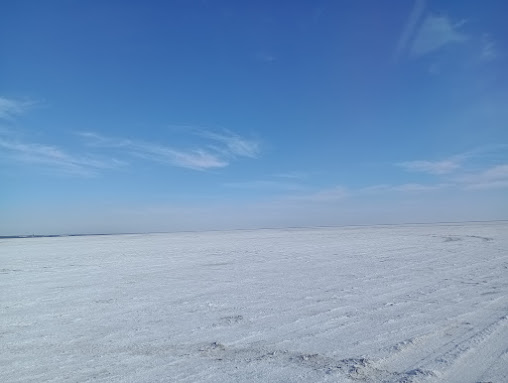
(414, 303)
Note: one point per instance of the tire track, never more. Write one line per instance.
(464, 358)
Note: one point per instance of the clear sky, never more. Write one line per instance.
(137, 116)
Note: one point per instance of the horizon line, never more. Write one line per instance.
(25, 236)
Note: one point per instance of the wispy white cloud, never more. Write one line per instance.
(99, 140)
(233, 144)
(469, 170)
(423, 36)
(196, 159)
(488, 49)
(426, 33)
(436, 32)
(212, 149)
(491, 178)
(292, 175)
(461, 162)
(432, 167)
(410, 27)
(10, 108)
(326, 195)
(55, 158)
(265, 185)
(404, 188)
(415, 187)
(208, 156)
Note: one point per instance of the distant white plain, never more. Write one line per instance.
(420, 303)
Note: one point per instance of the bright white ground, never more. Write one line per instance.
(421, 303)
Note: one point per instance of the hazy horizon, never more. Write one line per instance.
(259, 228)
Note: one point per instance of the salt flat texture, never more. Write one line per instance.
(421, 303)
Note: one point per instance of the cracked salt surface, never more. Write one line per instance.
(421, 303)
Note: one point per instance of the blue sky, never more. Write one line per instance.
(130, 116)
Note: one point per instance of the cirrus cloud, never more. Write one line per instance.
(431, 167)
